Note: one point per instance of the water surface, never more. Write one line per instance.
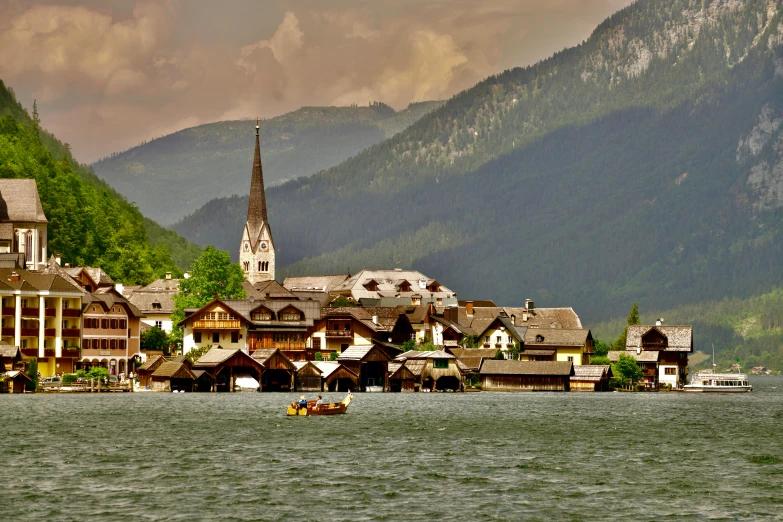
(478, 456)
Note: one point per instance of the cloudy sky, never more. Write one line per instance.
(108, 74)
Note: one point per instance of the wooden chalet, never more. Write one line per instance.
(647, 360)
(308, 377)
(223, 364)
(591, 378)
(340, 328)
(279, 372)
(434, 370)
(145, 371)
(336, 377)
(502, 375)
(17, 381)
(673, 344)
(502, 334)
(400, 378)
(370, 363)
(10, 357)
(173, 376)
(471, 358)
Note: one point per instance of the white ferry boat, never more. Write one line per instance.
(707, 381)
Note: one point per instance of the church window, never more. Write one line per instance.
(28, 249)
(247, 266)
(259, 266)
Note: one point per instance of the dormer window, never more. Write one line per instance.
(371, 286)
(262, 315)
(539, 338)
(156, 305)
(290, 315)
(434, 287)
(405, 286)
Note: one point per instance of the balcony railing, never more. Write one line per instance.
(449, 342)
(29, 332)
(50, 332)
(339, 334)
(203, 324)
(29, 312)
(9, 310)
(8, 330)
(71, 352)
(50, 312)
(70, 332)
(30, 352)
(71, 312)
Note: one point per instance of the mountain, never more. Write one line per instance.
(169, 176)
(89, 223)
(645, 164)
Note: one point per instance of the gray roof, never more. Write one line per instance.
(387, 317)
(19, 202)
(498, 367)
(244, 307)
(38, 281)
(215, 356)
(416, 366)
(389, 284)
(301, 364)
(147, 301)
(10, 259)
(556, 337)
(416, 354)
(546, 317)
(680, 338)
(171, 368)
(9, 350)
(517, 332)
(149, 363)
(329, 367)
(355, 353)
(642, 356)
(321, 283)
(591, 373)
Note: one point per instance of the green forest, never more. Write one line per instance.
(638, 166)
(89, 223)
(171, 176)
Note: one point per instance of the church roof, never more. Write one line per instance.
(256, 208)
(19, 202)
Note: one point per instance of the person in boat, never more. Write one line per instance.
(302, 403)
(319, 402)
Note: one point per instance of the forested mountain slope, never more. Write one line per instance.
(171, 176)
(89, 223)
(644, 165)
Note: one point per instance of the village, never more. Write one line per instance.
(388, 330)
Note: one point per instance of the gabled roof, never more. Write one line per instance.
(264, 356)
(388, 284)
(502, 367)
(416, 366)
(215, 356)
(267, 290)
(151, 362)
(517, 332)
(19, 202)
(36, 281)
(329, 367)
(645, 356)
(359, 353)
(196, 313)
(471, 357)
(9, 350)
(174, 370)
(99, 276)
(398, 370)
(109, 298)
(680, 338)
(423, 355)
(556, 337)
(301, 365)
(592, 373)
(387, 316)
(322, 283)
(546, 317)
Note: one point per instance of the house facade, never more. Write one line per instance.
(23, 223)
(558, 344)
(669, 345)
(343, 327)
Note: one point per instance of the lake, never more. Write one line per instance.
(477, 456)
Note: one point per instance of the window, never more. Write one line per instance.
(159, 325)
(123, 344)
(66, 304)
(113, 344)
(156, 306)
(123, 324)
(570, 358)
(114, 324)
(440, 363)
(104, 344)
(316, 343)
(197, 337)
(246, 265)
(498, 339)
(262, 316)
(670, 371)
(215, 337)
(289, 316)
(487, 339)
(234, 337)
(105, 324)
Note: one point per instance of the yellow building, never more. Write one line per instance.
(558, 344)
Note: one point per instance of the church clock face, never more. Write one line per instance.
(247, 246)
(264, 246)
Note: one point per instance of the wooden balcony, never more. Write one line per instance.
(71, 352)
(30, 352)
(339, 334)
(71, 312)
(8, 331)
(71, 332)
(203, 324)
(450, 342)
(9, 310)
(30, 312)
(50, 312)
(29, 332)
(50, 332)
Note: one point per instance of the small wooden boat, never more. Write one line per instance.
(324, 409)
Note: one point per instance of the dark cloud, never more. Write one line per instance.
(108, 74)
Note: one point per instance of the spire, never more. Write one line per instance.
(256, 208)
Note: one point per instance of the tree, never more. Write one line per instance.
(409, 345)
(195, 354)
(32, 372)
(155, 339)
(514, 351)
(211, 275)
(470, 341)
(626, 368)
(633, 318)
(599, 360)
(341, 302)
(601, 349)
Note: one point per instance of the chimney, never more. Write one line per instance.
(168, 275)
(525, 314)
(513, 319)
(469, 307)
(119, 287)
(58, 258)
(375, 319)
(67, 265)
(529, 304)
(187, 275)
(659, 322)
(14, 277)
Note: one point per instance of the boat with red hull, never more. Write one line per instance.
(335, 408)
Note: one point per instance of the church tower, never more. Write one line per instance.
(257, 250)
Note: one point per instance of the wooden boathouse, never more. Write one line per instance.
(223, 365)
(336, 377)
(279, 371)
(171, 376)
(145, 371)
(400, 378)
(503, 375)
(370, 363)
(308, 377)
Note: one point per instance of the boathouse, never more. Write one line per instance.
(173, 376)
(336, 377)
(591, 378)
(435, 370)
(308, 376)
(504, 375)
(145, 371)
(400, 378)
(223, 365)
(279, 371)
(370, 363)
(17, 381)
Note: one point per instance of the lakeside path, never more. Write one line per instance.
(499, 456)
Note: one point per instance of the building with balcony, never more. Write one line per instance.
(41, 314)
(661, 351)
(110, 331)
(22, 222)
(342, 327)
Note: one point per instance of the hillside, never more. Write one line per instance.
(749, 329)
(173, 175)
(645, 164)
(89, 223)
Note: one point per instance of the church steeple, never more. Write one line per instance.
(256, 208)
(257, 250)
